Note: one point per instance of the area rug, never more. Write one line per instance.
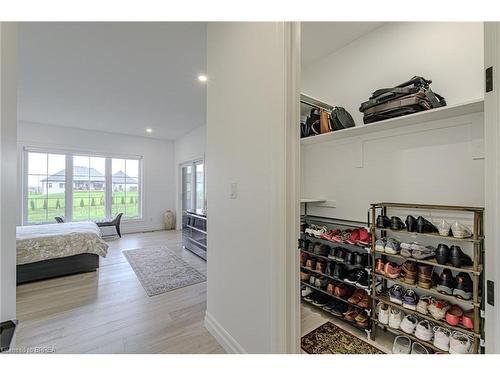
(159, 270)
(330, 339)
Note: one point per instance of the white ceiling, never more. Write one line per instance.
(114, 77)
(320, 39)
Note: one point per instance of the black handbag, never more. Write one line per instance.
(340, 119)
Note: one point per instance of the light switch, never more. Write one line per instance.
(233, 190)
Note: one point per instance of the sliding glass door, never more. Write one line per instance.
(193, 186)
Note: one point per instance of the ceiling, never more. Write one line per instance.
(320, 39)
(113, 77)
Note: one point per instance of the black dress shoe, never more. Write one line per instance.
(464, 286)
(397, 223)
(324, 250)
(458, 258)
(350, 258)
(442, 253)
(339, 254)
(425, 226)
(361, 260)
(383, 221)
(446, 282)
(411, 224)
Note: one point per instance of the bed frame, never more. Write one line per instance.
(46, 269)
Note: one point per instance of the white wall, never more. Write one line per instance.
(426, 163)
(246, 236)
(189, 147)
(158, 163)
(8, 173)
(450, 54)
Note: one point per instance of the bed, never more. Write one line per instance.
(50, 250)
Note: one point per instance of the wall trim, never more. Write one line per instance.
(223, 337)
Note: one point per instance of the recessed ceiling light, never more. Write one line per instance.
(202, 78)
(149, 130)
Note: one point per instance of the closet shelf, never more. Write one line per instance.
(474, 106)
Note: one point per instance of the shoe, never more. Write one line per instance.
(362, 281)
(397, 223)
(310, 247)
(330, 267)
(310, 297)
(365, 302)
(350, 258)
(354, 275)
(380, 245)
(410, 300)
(409, 272)
(395, 318)
(396, 294)
(464, 286)
(361, 260)
(421, 252)
(383, 313)
(320, 300)
(351, 314)
(339, 254)
(392, 270)
(317, 231)
(423, 304)
(316, 248)
(442, 338)
(311, 264)
(330, 288)
(401, 345)
(383, 221)
(353, 237)
(321, 283)
(323, 250)
(365, 238)
(460, 231)
(460, 343)
(405, 248)
(392, 246)
(303, 259)
(320, 267)
(357, 296)
(379, 266)
(340, 309)
(305, 292)
(411, 224)
(331, 305)
(424, 331)
(468, 319)
(442, 253)
(446, 282)
(438, 308)
(331, 254)
(362, 319)
(343, 291)
(304, 276)
(458, 258)
(418, 348)
(444, 228)
(425, 226)
(454, 315)
(408, 324)
(340, 271)
(425, 276)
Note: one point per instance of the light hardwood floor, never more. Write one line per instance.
(109, 312)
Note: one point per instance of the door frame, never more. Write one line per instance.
(178, 221)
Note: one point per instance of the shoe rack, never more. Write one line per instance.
(332, 223)
(380, 283)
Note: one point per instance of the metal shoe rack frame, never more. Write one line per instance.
(338, 223)
(476, 271)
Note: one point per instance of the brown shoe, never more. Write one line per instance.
(425, 276)
(365, 302)
(311, 264)
(303, 259)
(409, 271)
(356, 297)
(331, 288)
(351, 314)
(343, 291)
(379, 266)
(392, 270)
(362, 319)
(304, 276)
(320, 267)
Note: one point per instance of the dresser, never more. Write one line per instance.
(194, 232)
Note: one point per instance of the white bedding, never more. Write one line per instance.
(41, 242)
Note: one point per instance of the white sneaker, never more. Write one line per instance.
(423, 304)
(423, 331)
(380, 245)
(460, 230)
(460, 343)
(444, 228)
(408, 324)
(306, 291)
(442, 338)
(418, 348)
(401, 345)
(395, 318)
(383, 313)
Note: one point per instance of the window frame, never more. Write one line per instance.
(69, 180)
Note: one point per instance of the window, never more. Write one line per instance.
(42, 201)
(97, 187)
(125, 181)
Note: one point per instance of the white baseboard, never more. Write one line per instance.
(228, 343)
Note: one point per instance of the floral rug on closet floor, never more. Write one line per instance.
(330, 339)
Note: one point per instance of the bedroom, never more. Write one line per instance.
(104, 124)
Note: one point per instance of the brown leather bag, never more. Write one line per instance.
(324, 122)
